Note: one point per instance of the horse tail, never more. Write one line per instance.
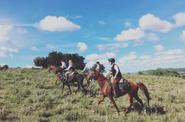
(144, 90)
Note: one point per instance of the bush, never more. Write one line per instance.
(41, 62)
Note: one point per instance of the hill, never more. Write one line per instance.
(33, 95)
(176, 72)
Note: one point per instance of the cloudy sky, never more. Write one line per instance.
(140, 34)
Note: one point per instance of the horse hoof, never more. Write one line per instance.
(118, 113)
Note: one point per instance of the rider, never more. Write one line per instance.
(85, 69)
(69, 69)
(116, 76)
(99, 67)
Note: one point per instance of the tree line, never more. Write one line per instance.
(54, 58)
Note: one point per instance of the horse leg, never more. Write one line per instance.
(101, 99)
(131, 103)
(88, 82)
(113, 102)
(63, 85)
(81, 83)
(139, 100)
(67, 82)
(130, 100)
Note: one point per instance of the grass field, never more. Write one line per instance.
(32, 95)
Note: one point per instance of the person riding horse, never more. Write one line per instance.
(116, 76)
(70, 69)
(99, 67)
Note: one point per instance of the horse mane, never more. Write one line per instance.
(102, 76)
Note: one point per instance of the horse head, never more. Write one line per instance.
(53, 68)
(95, 74)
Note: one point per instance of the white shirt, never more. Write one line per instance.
(70, 65)
(97, 67)
(116, 68)
(63, 65)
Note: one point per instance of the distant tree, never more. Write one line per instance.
(140, 73)
(54, 58)
(77, 60)
(5, 67)
(41, 62)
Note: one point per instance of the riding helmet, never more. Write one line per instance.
(112, 60)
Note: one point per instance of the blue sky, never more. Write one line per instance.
(140, 34)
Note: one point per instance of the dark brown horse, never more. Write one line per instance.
(132, 91)
(61, 77)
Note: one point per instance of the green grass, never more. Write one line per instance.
(30, 95)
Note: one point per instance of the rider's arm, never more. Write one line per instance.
(84, 69)
(117, 70)
(68, 67)
(97, 67)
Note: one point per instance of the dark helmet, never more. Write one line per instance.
(98, 62)
(112, 60)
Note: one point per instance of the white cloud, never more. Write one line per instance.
(131, 34)
(128, 58)
(7, 48)
(59, 46)
(82, 46)
(179, 19)
(102, 58)
(127, 24)
(5, 32)
(153, 23)
(102, 22)
(152, 37)
(59, 24)
(164, 58)
(111, 46)
(28, 66)
(7, 51)
(34, 48)
(103, 38)
(182, 36)
(159, 48)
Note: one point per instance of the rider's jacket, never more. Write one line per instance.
(116, 71)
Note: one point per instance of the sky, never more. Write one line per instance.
(139, 34)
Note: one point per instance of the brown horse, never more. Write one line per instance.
(132, 91)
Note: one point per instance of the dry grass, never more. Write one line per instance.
(30, 95)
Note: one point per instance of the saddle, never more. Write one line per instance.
(71, 75)
(123, 84)
(121, 87)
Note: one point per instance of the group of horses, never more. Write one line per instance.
(105, 87)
